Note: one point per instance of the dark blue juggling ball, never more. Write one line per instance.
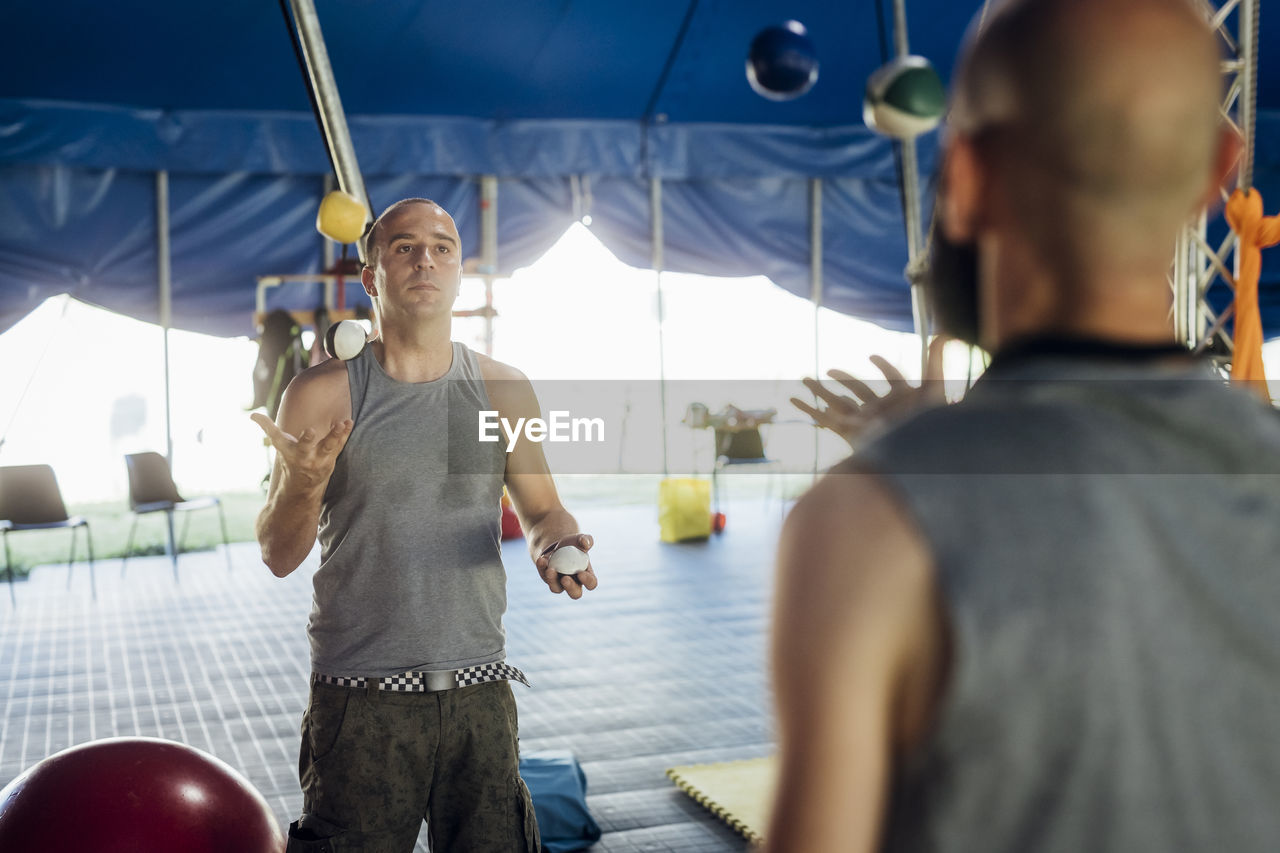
(782, 63)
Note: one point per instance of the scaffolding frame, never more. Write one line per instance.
(1198, 266)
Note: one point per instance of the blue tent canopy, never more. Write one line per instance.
(573, 106)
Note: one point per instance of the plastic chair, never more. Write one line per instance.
(31, 500)
(151, 489)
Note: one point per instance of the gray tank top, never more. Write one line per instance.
(1107, 542)
(411, 574)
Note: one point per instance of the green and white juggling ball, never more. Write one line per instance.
(904, 98)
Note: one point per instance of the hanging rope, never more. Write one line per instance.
(1246, 168)
(62, 315)
(896, 147)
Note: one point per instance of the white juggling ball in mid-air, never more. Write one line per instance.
(345, 339)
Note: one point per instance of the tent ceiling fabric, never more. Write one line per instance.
(95, 97)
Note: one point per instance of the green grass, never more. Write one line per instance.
(109, 524)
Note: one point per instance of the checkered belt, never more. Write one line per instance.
(416, 681)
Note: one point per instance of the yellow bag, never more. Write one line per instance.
(684, 509)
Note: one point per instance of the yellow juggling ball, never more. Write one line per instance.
(341, 217)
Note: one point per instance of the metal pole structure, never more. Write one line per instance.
(655, 240)
(1247, 25)
(333, 121)
(488, 251)
(815, 264)
(1246, 28)
(164, 276)
(328, 256)
(1197, 266)
(1184, 309)
(815, 290)
(911, 200)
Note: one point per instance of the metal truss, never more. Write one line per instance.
(1197, 265)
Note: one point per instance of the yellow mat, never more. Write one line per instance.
(738, 792)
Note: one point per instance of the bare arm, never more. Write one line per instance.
(856, 657)
(313, 426)
(546, 523)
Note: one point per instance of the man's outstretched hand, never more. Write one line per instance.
(851, 417)
(574, 584)
(309, 458)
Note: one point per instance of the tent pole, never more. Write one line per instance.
(328, 257)
(815, 289)
(655, 221)
(815, 262)
(488, 251)
(911, 201)
(333, 121)
(1246, 105)
(163, 274)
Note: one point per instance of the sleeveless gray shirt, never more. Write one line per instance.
(411, 574)
(1107, 543)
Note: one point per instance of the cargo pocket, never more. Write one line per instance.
(310, 834)
(527, 818)
(322, 721)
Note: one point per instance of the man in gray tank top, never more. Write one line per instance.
(1044, 618)
(411, 714)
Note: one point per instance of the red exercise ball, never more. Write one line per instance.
(510, 521)
(141, 795)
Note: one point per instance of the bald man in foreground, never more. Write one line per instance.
(1045, 618)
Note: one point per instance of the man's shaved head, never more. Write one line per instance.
(1101, 116)
(374, 239)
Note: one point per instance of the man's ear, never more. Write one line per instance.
(366, 279)
(1225, 162)
(961, 190)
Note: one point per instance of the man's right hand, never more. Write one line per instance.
(308, 459)
(851, 418)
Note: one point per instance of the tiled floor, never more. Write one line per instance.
(662, 665)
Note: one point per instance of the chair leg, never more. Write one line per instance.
(93, 583)
(8, 565)
(71, 561)
(182, 537)
(128, 545)
(173, 549)
(226, 542)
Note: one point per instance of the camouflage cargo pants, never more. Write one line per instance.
(374, 764)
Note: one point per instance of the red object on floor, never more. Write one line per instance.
(718, 522)
(135, 794)
(510, 523)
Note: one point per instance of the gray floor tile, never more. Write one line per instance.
(662, 665)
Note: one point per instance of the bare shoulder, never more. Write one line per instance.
(849, 504)
(508, 388)
(324, 381)
(857, 581)
(317, 397)
(857, 549)
(492, 370)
